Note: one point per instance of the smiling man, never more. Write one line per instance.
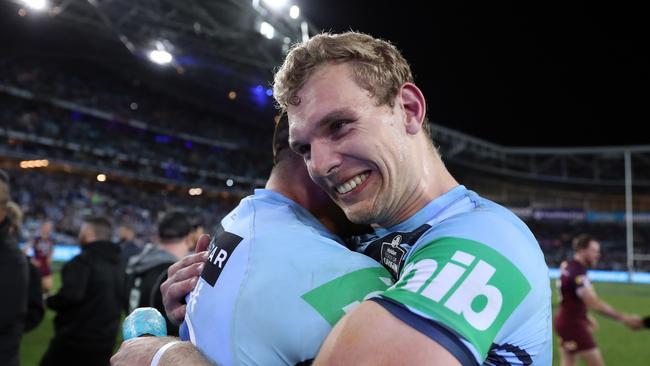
(472, 285)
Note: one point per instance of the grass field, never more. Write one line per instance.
(619, 345)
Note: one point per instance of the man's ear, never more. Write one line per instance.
(414, 106)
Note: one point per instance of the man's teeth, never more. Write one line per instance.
(352, 183)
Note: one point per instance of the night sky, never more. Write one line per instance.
(517, 74)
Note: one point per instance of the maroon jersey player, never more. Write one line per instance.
(43, 247)
(573, 324)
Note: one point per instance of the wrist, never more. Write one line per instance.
(161, 351)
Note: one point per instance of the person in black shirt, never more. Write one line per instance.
(148, 270)
(13, 284)
(88, 305)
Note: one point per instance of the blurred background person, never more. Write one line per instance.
(573, 324)
(43, 248)
(35, 306)
(13, 283)
(198, 229)
(126, 241)
(148, 270)
(89, 302)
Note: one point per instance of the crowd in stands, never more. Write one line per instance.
(102, 90)
(66, 199)
(73, 136)
(555, 238)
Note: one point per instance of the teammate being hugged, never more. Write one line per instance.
(275, 281)
(573, 324)
(471, 281)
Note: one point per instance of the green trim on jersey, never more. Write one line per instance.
(466, 285)
(335, 298)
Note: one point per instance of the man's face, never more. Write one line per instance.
(592, 253)
(46, 229)
(125, 233)
(354, 150)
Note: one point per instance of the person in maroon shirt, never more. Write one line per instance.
(573, 324)
(43, 247)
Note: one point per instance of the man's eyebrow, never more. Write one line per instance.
(334, 116)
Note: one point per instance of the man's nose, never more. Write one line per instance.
(324, 158)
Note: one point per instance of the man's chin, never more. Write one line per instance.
(358, 216)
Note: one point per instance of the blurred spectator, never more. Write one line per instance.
(67, 198)
(43, 247)
(198, 229)
(13, 284)
(573, 324)
(126, 237)
(35, 305)
(148, 270)
(89, 301)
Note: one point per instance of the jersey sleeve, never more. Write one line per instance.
(477, 284)
(579, 279)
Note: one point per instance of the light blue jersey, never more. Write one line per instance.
(472, 277)
(274, 285)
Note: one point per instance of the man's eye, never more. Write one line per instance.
(339, 124)
(303, 150)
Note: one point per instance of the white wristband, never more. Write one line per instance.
(156, 358)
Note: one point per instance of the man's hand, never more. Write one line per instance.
(182, 276)
(139, 351)
(633, 321)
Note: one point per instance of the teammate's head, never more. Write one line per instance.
(174, 227)
(587, 249)
(358, 121)
(95, 228)
(281, 139)
(291, 178)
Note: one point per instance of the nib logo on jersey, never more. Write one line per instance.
(469, 286)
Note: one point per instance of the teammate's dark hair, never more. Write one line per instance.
(173, 226)
(280, 137)
(582, 241)
(101, 226)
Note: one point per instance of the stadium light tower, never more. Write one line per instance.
(36, 4)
